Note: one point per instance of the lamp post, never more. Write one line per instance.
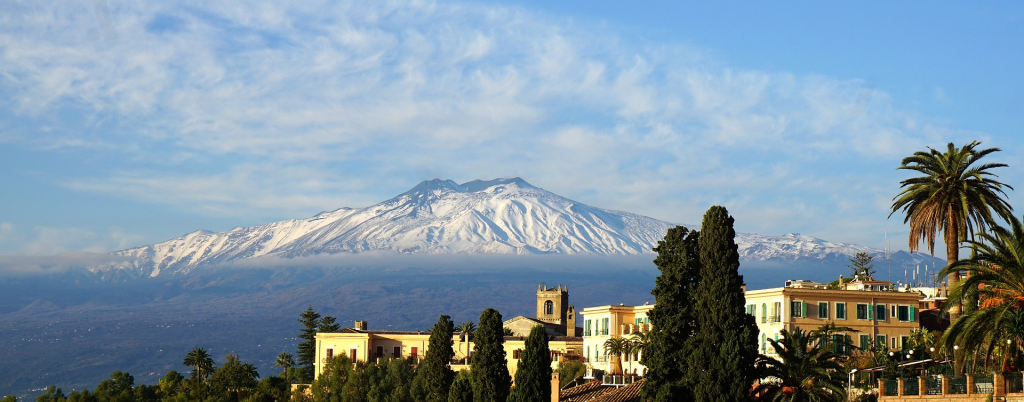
(955, 348)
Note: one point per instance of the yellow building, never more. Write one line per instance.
(361, 344)
(605, 322)
(879, 313)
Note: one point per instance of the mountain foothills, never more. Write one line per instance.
(501, 216)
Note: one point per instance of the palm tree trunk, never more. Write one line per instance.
(953, 255)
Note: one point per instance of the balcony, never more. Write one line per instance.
(619, 380)
(774, 319)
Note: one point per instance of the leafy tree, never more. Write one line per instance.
(9, 398)
(84, 396)
(286, 362)
(672, 318)
(396, 383)
(462, 388)
(804, 371)
(360, 380)
(491, 380)
(533, 375)
(119, 387)
(999, 262)
(954, 196)
(235, 377)
(434, 375)
(328, 386)
(170, 384)
(860, 265)
(329, 324)
(725, 347)
(270, 389)
(569, 370)
(52, 394)
(616, 347)
(306, 353)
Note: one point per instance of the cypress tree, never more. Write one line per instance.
(434, 375)
(725, 346)
(491, 381)
(462, 388)
(672, 318)
(533, 376)
(310, 321)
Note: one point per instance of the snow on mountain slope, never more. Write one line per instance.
(502, 216)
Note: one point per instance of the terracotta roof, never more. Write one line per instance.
(583, 392)
(629, 393)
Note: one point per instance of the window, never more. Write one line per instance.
(397, 352)
(586, 328)
(352, 353)
(880, 312)
(764, 343)
(588, 353)
(330, 353)
(798, 309)
(893, 311)
(862, 311)
(894, 344)
(549, 307)
(880, 341)
(903, 341)
(515, 354)
(905, 313)
(840, 311)
(604, 326)
(776, 309)
(865, 342)
(414, 353)
(764, 313)
(823, 310)
(380, 352)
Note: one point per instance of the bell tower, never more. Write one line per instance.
(553, 304)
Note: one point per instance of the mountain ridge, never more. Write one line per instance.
(441, 216)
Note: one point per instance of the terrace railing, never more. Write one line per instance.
(1014, 383)
(911, 386)
(933, 385)
(983, 384)
(958, 385)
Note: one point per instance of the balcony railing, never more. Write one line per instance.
(774, 319)
(619, 380)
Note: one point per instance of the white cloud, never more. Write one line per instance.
(233, 108)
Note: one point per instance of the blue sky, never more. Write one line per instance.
(129, 123)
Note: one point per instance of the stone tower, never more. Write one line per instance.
(553, 304)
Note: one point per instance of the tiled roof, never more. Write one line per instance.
(629, 393)
(583, 392)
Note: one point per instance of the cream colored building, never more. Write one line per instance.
(605, 322)
(361, 344)
(880, 314)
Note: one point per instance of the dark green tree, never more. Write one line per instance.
(533, 375)
(359, 381)
(117, 388)
(234, 377)
(9, 398)
(170, 385)
(434, 375)
(52, 394)
(462, 388)
(328, 386)
(672, 318)
(491, 381)
(306, 352)
(202, 364)
(861, 265)
(285, 361)
(329, 324)
(725, 348)
(395, 384)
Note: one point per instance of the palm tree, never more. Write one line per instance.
(467, 328)
(998, 263)
(616, 347)
(637, 345)
(953, 197)
(804, 371)
(286, 362)
(826, 334)
(200, 361)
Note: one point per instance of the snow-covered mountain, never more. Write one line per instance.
(502, 216)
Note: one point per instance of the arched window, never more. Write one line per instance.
(764, 313)
(549, 307)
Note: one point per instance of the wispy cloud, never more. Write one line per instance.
(254, 106)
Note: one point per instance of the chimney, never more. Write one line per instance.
(556, 385)
(360, 325)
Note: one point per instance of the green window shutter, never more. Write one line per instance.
(911, 313)
(871, 309)
(803, 310)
